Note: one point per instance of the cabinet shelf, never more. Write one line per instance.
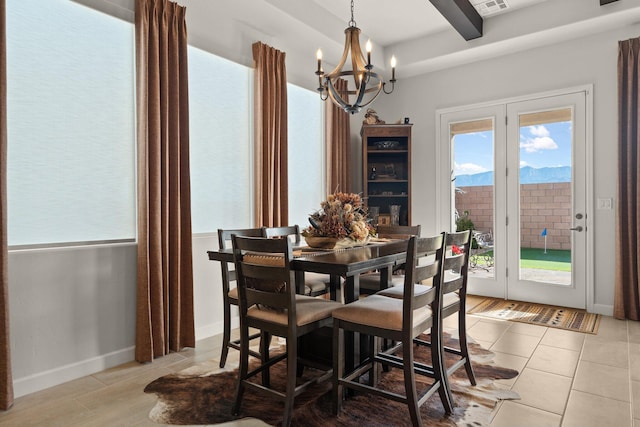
(388, 162)
(379, 151)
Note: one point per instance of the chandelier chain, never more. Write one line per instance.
(352, 22)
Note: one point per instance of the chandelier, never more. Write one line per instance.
(363, 85)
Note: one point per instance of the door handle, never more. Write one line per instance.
(578, 228)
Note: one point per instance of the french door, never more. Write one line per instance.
(518, 175)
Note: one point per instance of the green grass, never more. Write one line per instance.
(554, 259)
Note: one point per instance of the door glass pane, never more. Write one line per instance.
(545, 196)
(473, 184)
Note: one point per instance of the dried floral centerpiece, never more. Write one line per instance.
(341, 222)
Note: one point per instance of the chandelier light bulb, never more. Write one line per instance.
(319, 56)
(393, 68)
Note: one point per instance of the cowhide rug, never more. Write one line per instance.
(204, 394)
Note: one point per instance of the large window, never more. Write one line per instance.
(306, 154)
(219, 125)
(71, 160)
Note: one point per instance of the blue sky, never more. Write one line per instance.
(547, 145)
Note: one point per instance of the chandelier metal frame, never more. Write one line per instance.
(364, 84)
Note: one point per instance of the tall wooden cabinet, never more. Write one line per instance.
(386, 169)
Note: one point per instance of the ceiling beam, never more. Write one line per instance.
(603, 2)
(462, 16)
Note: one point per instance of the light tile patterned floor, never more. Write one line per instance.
(566, 379)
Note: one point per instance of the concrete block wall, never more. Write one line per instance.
(541, 205)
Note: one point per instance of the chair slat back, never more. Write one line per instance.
(263, 272)
(424, 262)
(224, 242)
(286, 231)
(456, 262)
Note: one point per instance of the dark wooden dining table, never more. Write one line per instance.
(346, 264)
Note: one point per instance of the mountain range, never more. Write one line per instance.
(528, 175)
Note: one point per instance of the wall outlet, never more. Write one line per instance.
(605, 204)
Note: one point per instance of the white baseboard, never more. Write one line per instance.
(605, 310)
(73, 371)
(215, 328)
(50, 378)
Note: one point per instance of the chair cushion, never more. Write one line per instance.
(371, 281)
(380, 312)
(398, 291)
(316, 282)
(450, 299)
(233, 295)
(308, 310)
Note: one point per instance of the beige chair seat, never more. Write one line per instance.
(398, 291)
(308, 310)
(316, 283)
(448, 300)
(380, 312)
(233, 293)
(371, 282)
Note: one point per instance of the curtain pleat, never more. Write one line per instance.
(338, 137)
(6, 379)
(271, 164)
(165, 318)
(627, 283)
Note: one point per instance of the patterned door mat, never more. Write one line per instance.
(554, 317)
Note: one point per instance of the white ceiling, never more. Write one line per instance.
(412, 30)
(389, 23)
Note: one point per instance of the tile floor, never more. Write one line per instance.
(566, 379)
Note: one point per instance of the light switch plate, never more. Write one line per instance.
(605, 204)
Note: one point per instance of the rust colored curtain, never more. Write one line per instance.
(6, 380)
(165, 320)
(271, 175)
(627, 286)
(338, 133)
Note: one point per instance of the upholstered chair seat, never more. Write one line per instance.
(379, 312)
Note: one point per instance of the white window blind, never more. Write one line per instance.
(71, 150)
(306, 154)
(220, 150)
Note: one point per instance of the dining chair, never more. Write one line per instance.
(454, 296)
(230, 295)
(315, 283)
(397, 320)
(269, 302)
(370, 282)
(456, 267)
